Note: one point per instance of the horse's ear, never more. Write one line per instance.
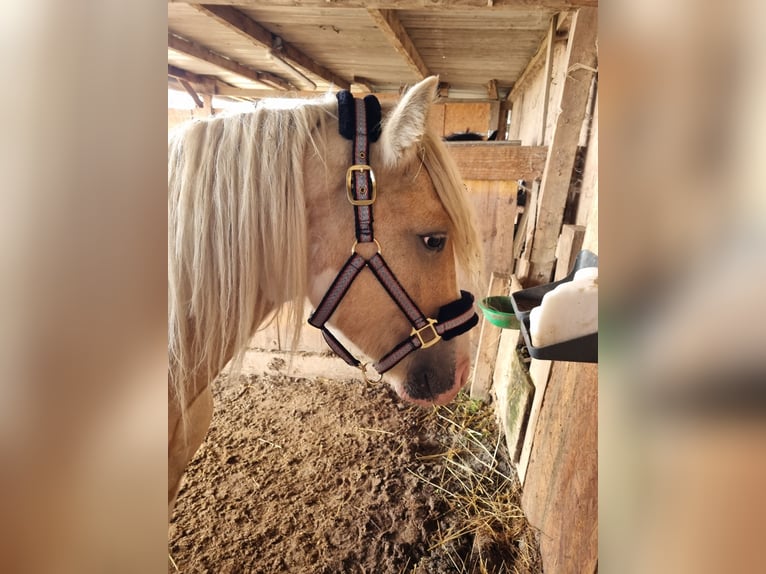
(406, 123)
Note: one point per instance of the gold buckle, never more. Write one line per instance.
(350, 186)
(436, 338)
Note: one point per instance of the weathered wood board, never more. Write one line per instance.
(489, 339)
(494, 203)
(560, 494)
(493, 161)
(569, 245)
(513, 390)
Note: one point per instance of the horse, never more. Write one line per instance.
(263, 211)
(469, 136)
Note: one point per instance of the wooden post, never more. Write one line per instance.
(581, 62)
(207, 108)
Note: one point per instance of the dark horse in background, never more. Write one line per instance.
(468, 136)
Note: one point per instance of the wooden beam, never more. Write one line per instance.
(498, 160)
(201, 53)
(366, 83)
(201, 84)
(557, 175)
(254, 32)
(298, 75)
(192, 92)
(180, 74)
(492, 89)
(232, 92)
(404, 4)
(388, 23)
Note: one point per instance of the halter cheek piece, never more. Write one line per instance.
(452, 319)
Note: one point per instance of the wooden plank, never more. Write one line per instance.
(201, 53)
(489, 338)
(589, 189)
(494, 203)
(581, 61)
(404, 4)
(388, 23)
(498, 160)
(525, 232)
(569, 245)
(560, 495)
(548, 70)
(514, 391)
(539, 372)
(254, 32)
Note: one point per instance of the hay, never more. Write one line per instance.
(484, 530)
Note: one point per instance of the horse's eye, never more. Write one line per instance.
(434, 242)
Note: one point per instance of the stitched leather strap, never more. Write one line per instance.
(448, 328)
(362, 190)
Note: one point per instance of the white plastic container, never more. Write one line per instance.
(567, 312)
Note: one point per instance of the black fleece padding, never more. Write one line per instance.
(454, 309)
(346, 114)
(372, 107)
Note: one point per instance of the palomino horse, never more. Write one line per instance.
(264, 209)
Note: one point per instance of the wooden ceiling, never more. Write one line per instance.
(252, 48)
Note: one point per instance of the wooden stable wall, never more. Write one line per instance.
(555, 451)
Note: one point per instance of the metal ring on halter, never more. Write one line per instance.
(363, 368)
(353, 247)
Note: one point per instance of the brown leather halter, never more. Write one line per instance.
(452, 319)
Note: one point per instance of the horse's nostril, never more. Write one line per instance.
(461, 375)
(427, 381)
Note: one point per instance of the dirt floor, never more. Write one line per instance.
(325, 476)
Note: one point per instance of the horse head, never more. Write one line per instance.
(422, 228)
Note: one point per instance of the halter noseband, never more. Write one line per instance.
(355, 117)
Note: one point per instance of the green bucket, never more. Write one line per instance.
(499, 311)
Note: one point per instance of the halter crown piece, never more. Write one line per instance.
(359, 121)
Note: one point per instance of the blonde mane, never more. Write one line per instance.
(237, 229)
(454, 197)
